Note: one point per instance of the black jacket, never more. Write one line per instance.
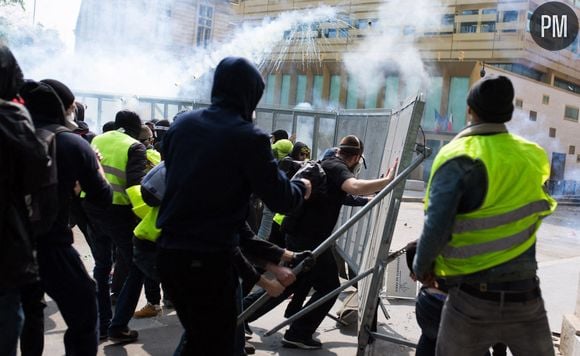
(20, 151)
(76, 161)
(215, 159)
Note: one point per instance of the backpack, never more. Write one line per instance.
(313, 171)
(43, 204)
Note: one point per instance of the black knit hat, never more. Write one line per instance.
(491, 98)
(279, 135)
(64, 93)
(129, 121)
(11, 78)
(42, 102)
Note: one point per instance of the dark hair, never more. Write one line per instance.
(109, 126)
(351, 146)
(279, 135)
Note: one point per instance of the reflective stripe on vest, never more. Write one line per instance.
(114, 148)
(505, 225)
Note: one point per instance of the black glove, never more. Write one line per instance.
(313, 171)
(307, 257)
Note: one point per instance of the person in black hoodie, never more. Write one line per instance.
(20, 153)
(62, 272)
(206, 203)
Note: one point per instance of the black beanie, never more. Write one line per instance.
(42, 102)
(129, 121)
(491, 98)
(64, 93)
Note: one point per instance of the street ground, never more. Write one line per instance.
(558, 251)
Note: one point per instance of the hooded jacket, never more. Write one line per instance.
(76, 161)
(19, 150)
(215, 158)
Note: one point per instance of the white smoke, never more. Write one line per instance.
(390, 47)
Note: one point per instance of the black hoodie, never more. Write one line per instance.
(20, 150)
(215, 158)
(76, 161)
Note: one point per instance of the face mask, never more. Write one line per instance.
(356, 169)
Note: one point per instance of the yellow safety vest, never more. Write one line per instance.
(506, 223)
(147, 229)
(153, 158)
(114, 147)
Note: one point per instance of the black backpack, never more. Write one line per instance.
(43, 204)
(313, 171)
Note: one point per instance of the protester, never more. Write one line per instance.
(313, 224)
(20, 153)
(124, 160)
(206, 202)
(485, 201)
(63, 275)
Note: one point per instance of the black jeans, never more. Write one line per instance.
(67, 282)
(203, 288)
(32, 336)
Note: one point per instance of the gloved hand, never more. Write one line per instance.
(313, 171)
(307, 257)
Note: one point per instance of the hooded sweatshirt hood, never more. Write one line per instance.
(43, 103)
(11, 78)
(237, 85)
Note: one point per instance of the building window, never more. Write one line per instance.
(575, 88)
(488, 26)
(204, 24)
(510, 16)
(490, 11)
(552, 132)
(448, 20)
(533, 115)
(519, 103)
(468, 27)
(577, 158)
(521, 70)
(571, 150)
(571, 113)
(470, 12)
(545, 99)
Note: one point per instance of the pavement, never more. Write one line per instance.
(558, 252)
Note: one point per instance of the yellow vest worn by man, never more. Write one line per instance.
(505, 224)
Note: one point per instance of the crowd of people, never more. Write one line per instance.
(171, 206)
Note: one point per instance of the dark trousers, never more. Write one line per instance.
(113, 227)
(142, 268)
(202, 287)
(32, 336)
(323, 277)
(152, 291)
(66, 281)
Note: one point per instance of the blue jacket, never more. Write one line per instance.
(215, 159)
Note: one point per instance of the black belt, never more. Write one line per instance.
(511, 286)
(505, 296)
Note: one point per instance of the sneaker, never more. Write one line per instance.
(124, 336)
(292, 341)
(148, 311)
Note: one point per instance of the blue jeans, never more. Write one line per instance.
(470, 325)
(266, 223)
(67, 282)
(11, 320)
(428, 312)
(144, 265)
(112, 227)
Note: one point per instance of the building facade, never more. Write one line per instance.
(469, 35)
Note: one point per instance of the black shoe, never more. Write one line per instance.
(124, 336)
(292, 341)
(249, 349)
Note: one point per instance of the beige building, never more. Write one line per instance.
(175, 25)
(468, 35)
